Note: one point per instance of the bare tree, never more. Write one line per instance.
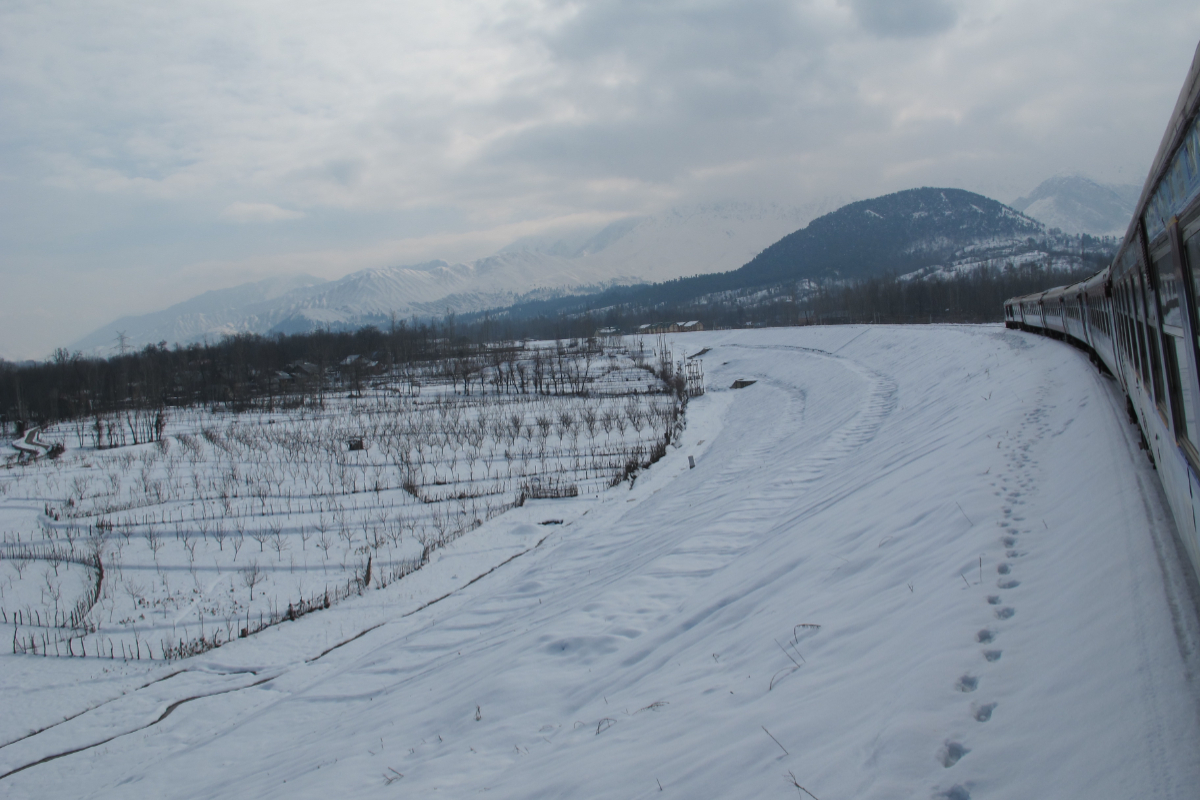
(251, 577)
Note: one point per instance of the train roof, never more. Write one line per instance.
(1080, 286)
(1177, 127)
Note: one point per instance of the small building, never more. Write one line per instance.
(659, 327)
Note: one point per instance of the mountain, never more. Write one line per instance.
(212, 314)
(679, 257)
(901, 232)
(914, 234)
(1076, 204)
(688, 240)
(372, 296)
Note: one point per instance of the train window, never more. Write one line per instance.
(1192, 145)
(1188, 367)
(1183, 390)
(1192, 248)
(1179, 179)
(1168, 292)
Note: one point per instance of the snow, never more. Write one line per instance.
(963, 511)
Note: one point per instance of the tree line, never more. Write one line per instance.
(241, 369)
(233, 371)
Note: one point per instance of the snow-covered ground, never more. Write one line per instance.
(146, 546)
(909, 562)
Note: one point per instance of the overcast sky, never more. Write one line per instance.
(151, 151)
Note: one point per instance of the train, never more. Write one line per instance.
(1139, 318)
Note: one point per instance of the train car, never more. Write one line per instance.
(1025, 312)
(1139, 318)
(1097, 316)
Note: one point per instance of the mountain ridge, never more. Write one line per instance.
(677, 256)
(685, 240)
(912, 235)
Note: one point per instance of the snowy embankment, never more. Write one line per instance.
(910, 562)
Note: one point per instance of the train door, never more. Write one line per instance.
(1151, 364)
(1081, 308)
(1135, 354)
(1138, 334)
(1178, 360)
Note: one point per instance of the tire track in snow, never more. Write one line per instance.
(170, 708)
(174, 704)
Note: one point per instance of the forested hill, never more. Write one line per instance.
(899, 233)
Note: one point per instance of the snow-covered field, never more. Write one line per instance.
(227, 523)
(909, 562)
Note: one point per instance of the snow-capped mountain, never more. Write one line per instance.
(683, 241)
(212, 314)
(1076, 204)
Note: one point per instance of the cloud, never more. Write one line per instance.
(126, 124)
(258, 212)
(904, 18)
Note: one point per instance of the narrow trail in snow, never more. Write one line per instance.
(1016, 481)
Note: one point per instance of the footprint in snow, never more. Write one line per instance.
(1005, 613)
(1008, 584)
(993, 599)
(991, 655)
(967, 683)
(955, 792)
(952, 753)
(1004, 569)
(984, 636)
(983, 713)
